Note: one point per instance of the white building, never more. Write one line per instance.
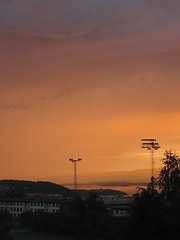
(16, 207)
(120, 207)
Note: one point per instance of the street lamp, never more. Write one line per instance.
(74, 161)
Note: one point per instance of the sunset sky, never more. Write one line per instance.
(89, 79)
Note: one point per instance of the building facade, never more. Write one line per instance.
(16, 207)
(119, 207)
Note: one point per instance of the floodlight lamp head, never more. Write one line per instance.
(148, 139)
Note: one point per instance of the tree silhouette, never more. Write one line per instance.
(5, 222)
(169, 180)
(147, 210)
(156, 209)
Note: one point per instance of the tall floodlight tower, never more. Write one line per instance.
(74, 161)
(151, 145)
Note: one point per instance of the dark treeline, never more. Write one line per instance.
(155, 213)
(156, 209)
(5, 225)
(87, 219)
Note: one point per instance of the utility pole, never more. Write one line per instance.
(151, 145)
(74, 161)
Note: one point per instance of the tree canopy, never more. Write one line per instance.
(169, 179)
(156, 209)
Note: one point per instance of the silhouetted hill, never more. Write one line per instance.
(41, 187)
(34, 187)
